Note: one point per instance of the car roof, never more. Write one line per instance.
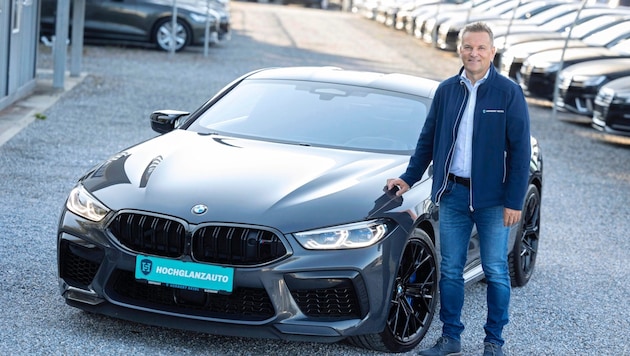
(398, 82)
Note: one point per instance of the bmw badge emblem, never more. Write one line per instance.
(199, 209)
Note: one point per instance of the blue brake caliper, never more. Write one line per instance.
(412, 279)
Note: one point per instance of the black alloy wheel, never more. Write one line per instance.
(522, 260)
(414, 299)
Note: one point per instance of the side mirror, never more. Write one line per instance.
(163, 121)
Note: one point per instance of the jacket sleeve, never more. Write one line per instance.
(518, 150)
(421, 158)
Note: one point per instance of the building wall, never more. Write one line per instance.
(18, 49)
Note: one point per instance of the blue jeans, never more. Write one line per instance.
(456, 223)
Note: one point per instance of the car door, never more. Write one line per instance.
(112, 19)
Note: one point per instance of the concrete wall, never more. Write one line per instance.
(19, 29)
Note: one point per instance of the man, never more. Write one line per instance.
(477, 135)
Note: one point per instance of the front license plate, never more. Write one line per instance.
(184, 275)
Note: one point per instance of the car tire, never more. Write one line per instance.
(522, 259)
(414, 299)
(162, 34)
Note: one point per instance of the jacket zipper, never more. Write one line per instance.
(472, 149)
(504, 166)
(449, 157)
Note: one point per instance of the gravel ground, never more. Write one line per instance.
(576, 303)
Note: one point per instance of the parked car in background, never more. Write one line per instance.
(580, 83)
(387, 10)
(448, 32)
(264, 213)
(418, 17)
(611, 113)
(538, 74)
(320, 4)
(404, 15)
(429, 23)
(148, 22)
(550, 20)
(557, 29)
(588, 33)
(366, 8)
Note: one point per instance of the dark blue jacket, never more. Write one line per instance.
(501, 141)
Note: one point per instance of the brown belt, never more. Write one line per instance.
(459, 180)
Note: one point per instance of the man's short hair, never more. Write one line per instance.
(477, 27)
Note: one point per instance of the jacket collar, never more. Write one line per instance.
(490, 74)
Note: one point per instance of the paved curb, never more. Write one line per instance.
(20, 114)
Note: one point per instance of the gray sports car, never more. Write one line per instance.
(141, 22)
(264, 213)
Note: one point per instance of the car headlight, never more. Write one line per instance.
(354, 235)
(507, 59)
(198, 17)
(85, 205)
(622, 98)
(565, 80)
(500, 44)
(519, 56)
(589, 80)
(546, 67)
(445, 28)
(215, 14)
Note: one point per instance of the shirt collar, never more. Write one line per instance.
(463, 77)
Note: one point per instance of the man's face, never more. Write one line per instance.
(476, 52)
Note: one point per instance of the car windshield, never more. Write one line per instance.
(623, 47)
(521, 12)
(610, 35)
(561, 22)
(591, 26)
(318, 114)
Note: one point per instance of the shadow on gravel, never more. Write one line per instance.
(165, 341)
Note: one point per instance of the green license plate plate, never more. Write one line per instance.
(184, 275)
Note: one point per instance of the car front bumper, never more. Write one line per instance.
(306, 295)
(537, 83)
(578, 100)
(613, 118)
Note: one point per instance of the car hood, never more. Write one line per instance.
(525, 49)
(619, 85)
(516, 29)
(288, 187)
(573, 55)
(616, 67)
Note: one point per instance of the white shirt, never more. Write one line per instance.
(462, 157)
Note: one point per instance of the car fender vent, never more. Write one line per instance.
(79, 263)
(333, 303)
